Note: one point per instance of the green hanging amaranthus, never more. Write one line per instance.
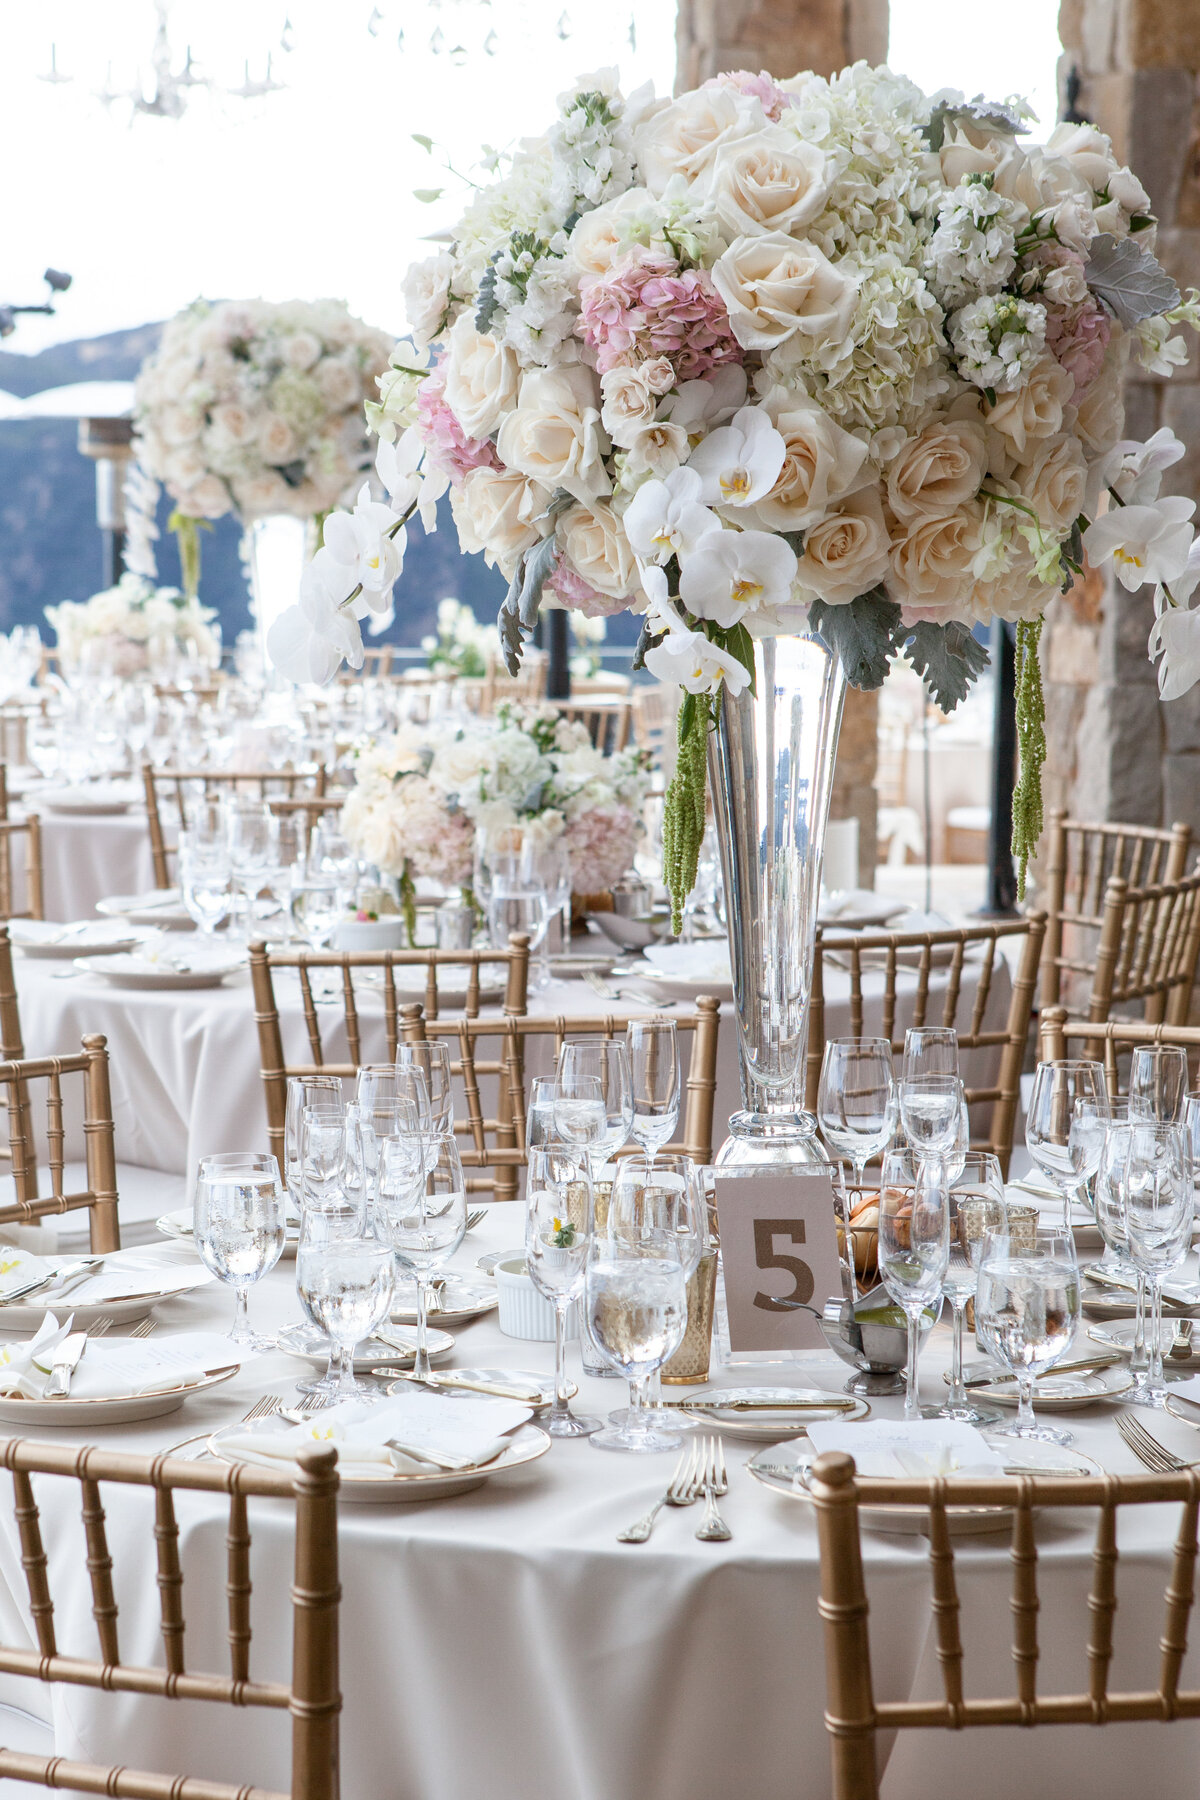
(1027, 809)
(684, 804)
(187, 536)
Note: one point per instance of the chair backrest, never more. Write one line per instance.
(27, 833)
(20, 1079)
(1112, 1042)
(353, 965)
(606, 721)
(527, 686)
(1146, 954)
(1082, 857)
(923, 978)
(497, 1050)
(185, 788)
(312, 1696)
(853, 1714)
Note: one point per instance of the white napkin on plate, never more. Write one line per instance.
(160, 1269)
(892, 1448)
(117, 1368)
(705, 961)
(25, 1367)
(471, 1426)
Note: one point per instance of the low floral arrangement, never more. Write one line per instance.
(421, 794)
(255, 407)
(134, 616)
(775, 356)
(462, 645)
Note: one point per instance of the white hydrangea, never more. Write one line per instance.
(997, 340)
(973, 249)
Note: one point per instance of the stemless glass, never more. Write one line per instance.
(976, 1211)
(857, 1105)
(605, 1060)
(654, 1082)
(204, 877)
(914, 1247)
(930, 1108)
(422, 1213)
(929, 1050)
(1159, 1209)
(1158, 1079)
(558, 1238)
(1059, 1132)
(344, 1280)
(320, 1091)
(636, 1299)
(1026, 1316)
(239, 1226)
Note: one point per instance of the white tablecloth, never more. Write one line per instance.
(503, 1644)
(85, 858)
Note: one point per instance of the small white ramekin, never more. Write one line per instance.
(524, 1313)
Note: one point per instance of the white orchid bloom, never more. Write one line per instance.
(359, 541)
(1145, 543)
(398, 467)
(739, 463)
(1134, 471)
(666, 518)
(309, 641)
(738, 572)
(1175, 638)
(687, 657)
(1182, 586)
(701, 405)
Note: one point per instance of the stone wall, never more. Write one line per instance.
(1115, 751)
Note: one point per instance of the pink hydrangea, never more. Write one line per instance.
(650, 307)
(579, 594)
(1079, 337)
(761, 87)
(450, 449)
(601, 843)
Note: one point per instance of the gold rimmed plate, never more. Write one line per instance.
(124, 1409)
(747, 1412)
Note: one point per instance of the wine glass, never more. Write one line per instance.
(422, 1213)
(304, 1090)
(324, 1149)
(606, 1061)
(239, 1227)
(558, 1238)
(1158, 1079)
(204, 876)
(857, 1104)
(497, 851)
(661, 1205)
(930, 1111)
(976, 1197)
(540, 1129)
(914, 1246)
(636, 1301)
(375, 1084)
(515, 905)
(1061, 1132)
(1026, 1316)
(1159, 1209)
(930, 1050)
(253, 853)
(431, 1061)
(368, 1129)
(546, 863)
(1111, 1179)
(579, 1117)
(344, 1280)
(654, 1082)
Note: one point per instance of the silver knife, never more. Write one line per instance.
(833, 1404)
(63, 1365)
(1085, 1365)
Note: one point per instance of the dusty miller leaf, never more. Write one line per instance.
(991, 115)
(539, 566)
(508, 622)
(865, 635)
(1130, 282)
(486, 303)
(648, 639)
(949, 661)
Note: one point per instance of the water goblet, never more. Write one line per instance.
(1027, 1315)
(422, 1213)
(654, 1082)
(606, 1061)
(344, 1280)
(914, 1246)
(857, 1104)
(324, 1153)
(636, 1304)
(1061, 1124)
(558, 1238)
(204, 877)
(661, 1206)
(930, 1111)
(579, 1117)
(238, 1223)
(540, 1129)
(304, 1090)
(1159, 1210)
(514, 906)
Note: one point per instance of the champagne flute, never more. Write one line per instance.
(857, 1104)
(422, 1213)
(1159, 1209)
(1026, 1316)
(654, 1081)
(344, 1280)
(239, 1227)
(558, 1238)
(914, 1246)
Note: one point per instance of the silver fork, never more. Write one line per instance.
(712, 1529)
(264, 1408)
(1148, 1450)
(476, 1217)
(143, 1330)
(99, 1329)
(683, 1489)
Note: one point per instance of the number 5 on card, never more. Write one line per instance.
(779, 1252)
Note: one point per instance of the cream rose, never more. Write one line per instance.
(1087, 152)
(775, 287)
(846, 554)
(340, 382)
(772, 181)
(597, 241)
(233, 423)
(555, 436)
(301, 349)
(629, 403)
(1100, 415)
(685, 136)
(481, 379)
(938, 470)
(1036, 409)
(931, 561)
(498, 511)
(593, 541)
(1001, 158)
(276, 439)
(821, 464)
(1053, 481)
(426, 290)
(209, 499)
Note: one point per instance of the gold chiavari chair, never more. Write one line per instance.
(28, 832)
(494, 1051)
(1081, 859)
(1147, 951)
(526, 688)
(377, 661)
(607, 722)
(266, 959)
(311, 1697)
(853, 1714)
(20, 1078)
(1112, 1042)
(908, 961)
(184, 787)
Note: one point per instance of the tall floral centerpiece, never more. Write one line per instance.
(811, 374)
(134, 620)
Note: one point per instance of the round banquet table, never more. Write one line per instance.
(504, 1644)
(85, 856)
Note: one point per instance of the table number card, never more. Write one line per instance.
(779, 1254)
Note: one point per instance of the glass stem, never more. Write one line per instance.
(560, 1409)
(1139, 1360)
(422, 1369)
(241, 1332)
(1025, 1418)
(1154, 1372)
(958, 1393)
(912, 1397)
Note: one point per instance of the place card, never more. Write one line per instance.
(779, 1255)
(896, 1448)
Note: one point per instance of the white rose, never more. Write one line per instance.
(340, 382)
(1036, 409)
(208, 499)
(1128, 192)
(821, 463)
(233, 423)
(775, 287)
(593, 541)
(596, 242)
(628, 403)
(276, 439)
(938, 470)
(1087, 151)
(184, 468)
(495, 510)
(459, 762)
(1075, 222)
(846, 554)
(772, 181)
(685, 136)
(554, 436)
(426, 290)
(265, 494)
(1100, 415)
(1000, 157)
(931, 560)
(179, 425)
(1053, 481)
(301, 349)
(1111, 217)
(481, 379)
(657, 448)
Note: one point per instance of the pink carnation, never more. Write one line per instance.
(650, 307)
(579, 594)
(1079, 337)
(450, 449)
(601, 843)
(761, 87)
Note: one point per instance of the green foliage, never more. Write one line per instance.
(683, 808)
(948, 660)
(1027, 809)
(408, 906)
(865, 634)
(187, 535)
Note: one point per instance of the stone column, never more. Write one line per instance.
(1115, 751)
(783, 37)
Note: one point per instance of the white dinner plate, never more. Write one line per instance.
(101, 800)
(133, 971)
(38, 939)
(681, 971)
(124, 1410)
(525, 1445)
(178, 1226)
(1120, 1337)
(454, 1380)
(1110, 1303)
(464, 1300)
(771, 1427)
(159, 906)
(784, 1467)
(452, 980)
(1053, 1392)
(859, 909)
(306, 1342)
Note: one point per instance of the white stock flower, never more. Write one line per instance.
(359, 542)
(735, 573)
(1145, 543)
(667, 518)
(998, 340)
(775, 287)
(657, 448)
(739, 463)
(1155, 350)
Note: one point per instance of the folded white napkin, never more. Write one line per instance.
(891, 1448)
(470, 1427)
(112, 1369)
(25, 1368)
(690, 962)
(152, 1269)
(87, 933)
